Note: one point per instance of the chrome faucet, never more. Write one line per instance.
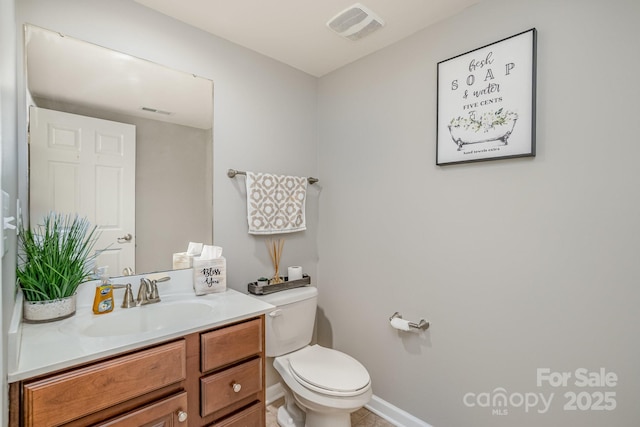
(148, 290)
(143, 291)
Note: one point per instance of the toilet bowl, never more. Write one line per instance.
(326, 383)
(322, 386)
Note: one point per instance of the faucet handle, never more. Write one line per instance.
(154, 295)
(128, 300)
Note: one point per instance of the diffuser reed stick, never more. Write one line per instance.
(275, 252)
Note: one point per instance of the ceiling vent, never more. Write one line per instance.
(355, 22)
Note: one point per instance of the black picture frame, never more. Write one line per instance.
(487, 102)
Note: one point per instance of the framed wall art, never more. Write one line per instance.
(487, 102)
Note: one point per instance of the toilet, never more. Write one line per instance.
(322, 386)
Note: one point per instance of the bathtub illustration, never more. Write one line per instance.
(490, 126)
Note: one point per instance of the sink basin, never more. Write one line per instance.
(137, 320)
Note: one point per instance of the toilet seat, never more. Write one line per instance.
(328, 371)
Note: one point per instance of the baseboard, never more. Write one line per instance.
(393, 414)
(274, 392)
(381, 408)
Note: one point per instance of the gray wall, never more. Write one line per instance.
(173, 192)
(519, 264)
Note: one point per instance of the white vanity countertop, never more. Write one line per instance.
(48, 347)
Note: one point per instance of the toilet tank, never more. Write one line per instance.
(289, 326)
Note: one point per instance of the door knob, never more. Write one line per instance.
(126, 238)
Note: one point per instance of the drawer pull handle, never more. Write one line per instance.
(182, 416)
(236, 387)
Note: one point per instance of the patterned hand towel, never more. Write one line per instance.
(275, 203)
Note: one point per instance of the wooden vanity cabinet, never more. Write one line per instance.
(212, 378)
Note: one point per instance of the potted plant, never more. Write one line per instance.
(54, 259)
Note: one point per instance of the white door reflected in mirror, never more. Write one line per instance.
(86, 166)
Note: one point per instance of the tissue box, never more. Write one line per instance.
(182, 260)
(209, 276)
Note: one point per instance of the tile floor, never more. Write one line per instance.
(361, 418)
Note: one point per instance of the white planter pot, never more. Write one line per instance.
(49, 311)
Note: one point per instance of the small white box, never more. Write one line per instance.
(182, 260)
(209, 276)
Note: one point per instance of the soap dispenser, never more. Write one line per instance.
(103, 300)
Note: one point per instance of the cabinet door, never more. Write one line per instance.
(169, 412)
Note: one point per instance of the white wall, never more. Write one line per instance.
(8, 172)
(519, 264)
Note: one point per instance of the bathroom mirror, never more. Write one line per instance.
(172, 111)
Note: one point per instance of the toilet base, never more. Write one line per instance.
(286, 419)
(297, 418)
(336, 419)
(290, 414)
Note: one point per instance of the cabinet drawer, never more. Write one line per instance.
(164, 413)
(65, 397)
(229, 386)
(227, 345)
(253, 416)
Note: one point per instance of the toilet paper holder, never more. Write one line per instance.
(423, 324)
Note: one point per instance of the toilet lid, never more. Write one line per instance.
(328, 371)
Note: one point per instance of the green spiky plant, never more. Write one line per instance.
(55, 256)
